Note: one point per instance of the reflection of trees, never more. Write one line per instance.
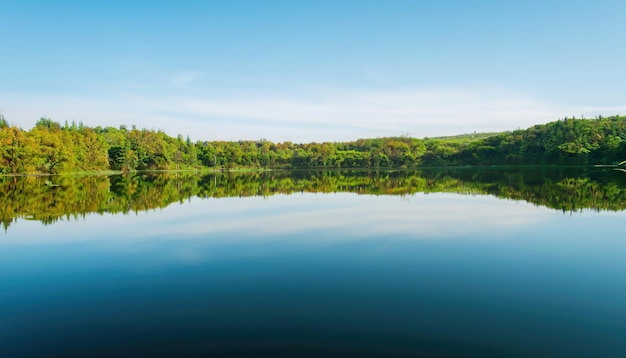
(48, 199)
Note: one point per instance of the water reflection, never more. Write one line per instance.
(229, 278)
(48, 199)
(324, 218)
(425, 273)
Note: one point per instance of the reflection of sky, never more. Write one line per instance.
(416, 216)
(495, 274)
(193, 232)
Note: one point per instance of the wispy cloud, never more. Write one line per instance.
(184, 78)
(327, 114)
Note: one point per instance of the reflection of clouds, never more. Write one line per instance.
(189, 256)
(423, 216)
(315, 216)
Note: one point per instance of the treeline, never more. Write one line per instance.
(48, 199)
(569, 141)
(50, 147)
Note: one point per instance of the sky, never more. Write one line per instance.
(311, 71)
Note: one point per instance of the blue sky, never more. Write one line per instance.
(311, 70)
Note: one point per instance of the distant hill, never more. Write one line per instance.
(465, 138)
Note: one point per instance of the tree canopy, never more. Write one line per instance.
(52, 148)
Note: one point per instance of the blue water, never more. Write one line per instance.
(437, 275)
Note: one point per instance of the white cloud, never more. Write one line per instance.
(314, 115)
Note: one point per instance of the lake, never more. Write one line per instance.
(433, 263)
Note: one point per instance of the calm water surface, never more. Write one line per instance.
(318, 274)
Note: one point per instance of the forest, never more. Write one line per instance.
(54, 148)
